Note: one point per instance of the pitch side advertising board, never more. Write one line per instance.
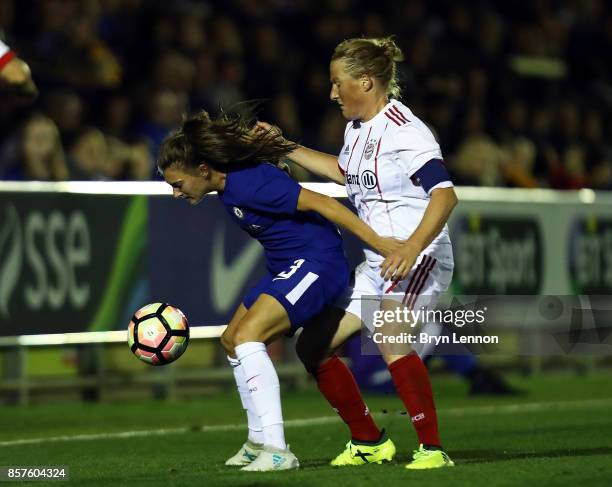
(85, 262)
(70, 262)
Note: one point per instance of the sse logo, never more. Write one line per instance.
(41, 256)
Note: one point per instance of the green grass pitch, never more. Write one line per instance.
(559, 433)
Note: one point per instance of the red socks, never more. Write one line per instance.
(411, 381)
(337, 384)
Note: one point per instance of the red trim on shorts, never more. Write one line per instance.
(412, 300)
(6, 58)
(392, 287)
(340, 169)
(426, 263)
(415, 277)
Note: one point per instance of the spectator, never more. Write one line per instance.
(96, 156)
(478, 158)
(598, 152)
(132, 68)
(40, 155)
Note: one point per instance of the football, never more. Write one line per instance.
(158, 333)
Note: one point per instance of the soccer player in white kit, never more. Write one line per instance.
(395, 177)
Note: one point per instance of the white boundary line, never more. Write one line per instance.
(297, 423)
(466, 193)
(115, 336)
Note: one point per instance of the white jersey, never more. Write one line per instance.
(378, 159)
(3, 49)
(5, 54)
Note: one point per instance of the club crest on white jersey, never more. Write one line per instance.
(369, 148)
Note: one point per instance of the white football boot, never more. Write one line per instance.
(271, 459)
(247, 454)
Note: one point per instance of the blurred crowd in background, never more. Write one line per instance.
(519, 94)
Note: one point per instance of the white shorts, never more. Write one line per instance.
(420, 289)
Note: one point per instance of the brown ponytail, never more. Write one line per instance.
(223, 141)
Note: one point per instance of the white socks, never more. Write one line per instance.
(255, 428)
(262, 384)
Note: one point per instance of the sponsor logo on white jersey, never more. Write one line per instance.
(368, 179)
(352, 178)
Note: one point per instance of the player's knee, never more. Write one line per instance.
(302, 352)
(227, 342)
(390, 358)
(243, 335)
(305, 353)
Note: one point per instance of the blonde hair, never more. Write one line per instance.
(376, 57)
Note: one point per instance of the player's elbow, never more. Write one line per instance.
(447, 196)
(16, 73)
(17, 77)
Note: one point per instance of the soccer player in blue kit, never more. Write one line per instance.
(307, 269)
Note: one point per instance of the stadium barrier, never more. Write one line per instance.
(77, 258)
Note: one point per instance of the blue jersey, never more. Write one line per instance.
(262, 199)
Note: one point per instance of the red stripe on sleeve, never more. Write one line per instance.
(8, 56)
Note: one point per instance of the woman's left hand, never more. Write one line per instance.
(386, 245)
(398, 263)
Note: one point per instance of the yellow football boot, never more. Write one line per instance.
(423, 459)
(361, 454)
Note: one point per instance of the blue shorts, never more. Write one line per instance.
(304, 289)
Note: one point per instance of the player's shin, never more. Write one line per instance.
(264, 389)
(412, 383)
(337, 384)
(253, 421)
